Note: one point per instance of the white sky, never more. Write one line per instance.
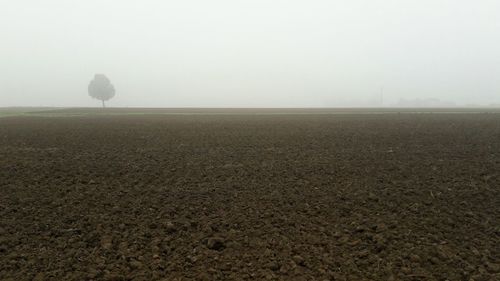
(271, 53)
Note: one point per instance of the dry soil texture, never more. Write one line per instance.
(250, 197)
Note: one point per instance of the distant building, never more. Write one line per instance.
(432, 102)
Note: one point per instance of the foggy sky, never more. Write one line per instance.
(254, 53)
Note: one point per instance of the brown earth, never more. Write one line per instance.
(250, 197)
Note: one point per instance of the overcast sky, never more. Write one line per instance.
(253, 53)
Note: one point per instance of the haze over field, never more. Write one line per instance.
(233, 53)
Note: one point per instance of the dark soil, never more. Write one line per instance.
(232, 197)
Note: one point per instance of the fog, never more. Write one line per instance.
(234, 53)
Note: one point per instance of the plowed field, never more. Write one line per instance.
(250, 197)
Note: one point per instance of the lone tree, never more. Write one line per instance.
(101, 88)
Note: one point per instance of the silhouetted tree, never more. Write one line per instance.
(101, 88)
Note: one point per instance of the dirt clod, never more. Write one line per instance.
(170, 227)
(215, 243)
(299, 260)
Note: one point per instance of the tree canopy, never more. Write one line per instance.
(101, 88)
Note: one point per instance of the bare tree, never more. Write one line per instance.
(101, 88)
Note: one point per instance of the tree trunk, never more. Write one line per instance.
(103, 105)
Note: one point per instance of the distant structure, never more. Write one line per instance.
(432, 102)
(382, 96)
(101, 88)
